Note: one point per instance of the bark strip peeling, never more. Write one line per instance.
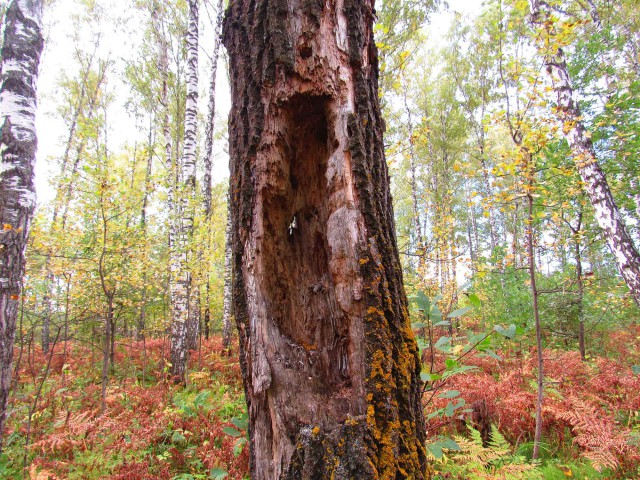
(330, 365)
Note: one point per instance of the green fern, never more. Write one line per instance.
(497, 460)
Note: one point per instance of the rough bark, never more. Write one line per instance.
(595, 183)
(21, 50)
(329, 362)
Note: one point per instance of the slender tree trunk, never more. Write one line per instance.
(413, 181)
(584, 155)
(163, 68)
(536, 311)
(636, 200)
(64, 195)
(581, 340)
(329, 362)
(142, 320)
(227, 305)
(21, 50)
(108, 333)
(473, 254)
(208, 160)
(577, 253)
(184, 321)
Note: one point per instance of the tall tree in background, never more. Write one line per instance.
(83, 98)
(584, 155)
(184, 318)
(227, 301)
(208, 162)
(21, 50)
(330, 365)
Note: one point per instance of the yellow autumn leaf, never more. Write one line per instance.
(566, 470)
(457, 349)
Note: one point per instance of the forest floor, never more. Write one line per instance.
(152, 429)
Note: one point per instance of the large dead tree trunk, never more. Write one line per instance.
(21, 50)
(595, 183)
(329, 361)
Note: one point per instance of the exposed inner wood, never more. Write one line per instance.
(329, 361)
(306, 274)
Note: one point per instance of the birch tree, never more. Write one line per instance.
(208, 155)
(182, 305)
(23, 43)
(329, 361)
(584, 155)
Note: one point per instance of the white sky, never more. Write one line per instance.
(57, 58)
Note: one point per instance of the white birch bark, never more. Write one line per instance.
(181, 288)
(595, 183)
(21, 50)
(211, 115)
(208, 165)
(208, 157)
(228, 280)
(163, 67)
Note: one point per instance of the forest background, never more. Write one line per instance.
(490, 213)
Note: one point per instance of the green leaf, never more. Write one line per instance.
(239, 446)
(217, 473)
(508, 332)
(493, 354)
(436, 450)
(423, 302)
(201, 398)
(433, 415)
(449, 394)
(459, 312)
(450, 409)
(450, 444)
(179, 438)
(636, 369)
(474, 300)
(444, 323)
(241, 422)
(429, 377)
(418, 325)
(464, 286)
(442, 342)
(232, 432)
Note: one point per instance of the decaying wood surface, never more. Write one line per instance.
(330, 365)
